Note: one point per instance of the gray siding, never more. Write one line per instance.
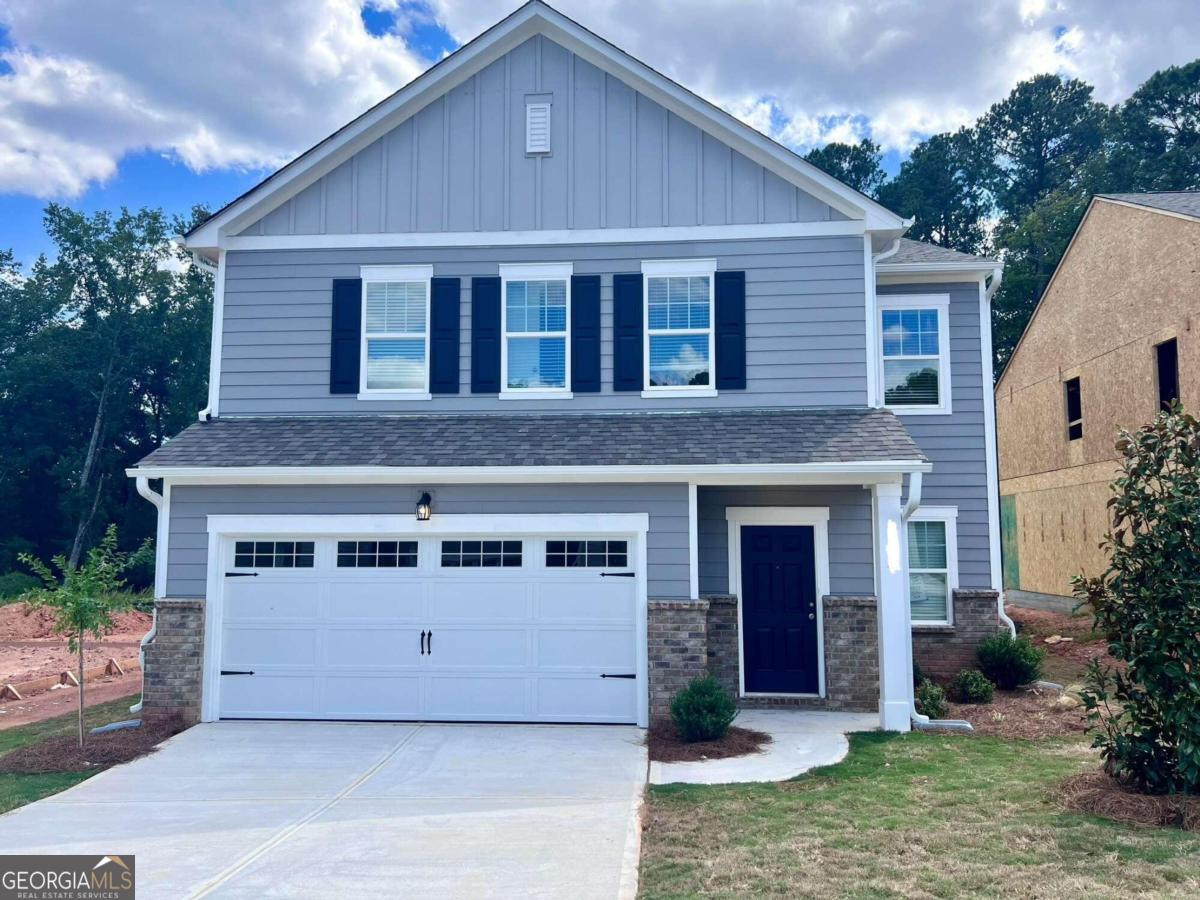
(955, 443)
(804, 323)
(851, 559)
(667, 505)
(618, 160)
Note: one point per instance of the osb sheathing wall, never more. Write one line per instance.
(1130, 280)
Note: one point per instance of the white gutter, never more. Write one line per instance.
(989, 293)
(890, 251)
(143, 488)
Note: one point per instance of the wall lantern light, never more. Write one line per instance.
(424, 507)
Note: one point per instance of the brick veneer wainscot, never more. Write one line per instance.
(677, 648)
(944, 650)
(174, 661)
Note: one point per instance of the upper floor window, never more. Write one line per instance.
(395, 333)
(932, 564)
(1074, 409)
(679, 325)
(915, 348)
(1166, 357)
(536, 313)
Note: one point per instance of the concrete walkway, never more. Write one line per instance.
(802, 740)
(250, 809)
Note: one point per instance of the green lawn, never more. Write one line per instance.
(17, 790)
(915, 815)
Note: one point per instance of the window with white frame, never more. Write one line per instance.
(395, 332)
(536, 313)
(915, 345)
(932, 564)
(679, 325)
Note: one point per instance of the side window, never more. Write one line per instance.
(679, 325)
(395, 335)
(932, 564)
(536, 312)
(1074, 409)
(1166, 357)
(914, 338)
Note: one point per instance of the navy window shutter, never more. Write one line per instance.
(585, 333)
(731, 330)
(345, 339)
(628, 330)
(444, 313)
(485, 335)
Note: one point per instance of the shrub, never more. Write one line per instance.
(931, 700)
(970, 686)
(14, 584)
(1148, 607)
(1009, 662)
(703, 710)
(918, 674)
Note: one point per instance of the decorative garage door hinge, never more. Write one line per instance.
(241, 574)
(622, 675)
(236, 672)
(618, 574)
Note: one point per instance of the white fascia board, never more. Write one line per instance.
(533, 523)
(821, 473)
(534, 18)
(389, 240)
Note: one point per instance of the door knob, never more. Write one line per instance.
(812, 615)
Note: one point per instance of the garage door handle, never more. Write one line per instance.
(429, 642)
(235, 672)
(618, 574)
(623, 675)
(422, 643)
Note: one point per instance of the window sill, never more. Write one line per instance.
(394, 395)
(933, 627)
(920, 410)
(535, 395)
(677, 393)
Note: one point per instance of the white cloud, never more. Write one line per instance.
(248, 84)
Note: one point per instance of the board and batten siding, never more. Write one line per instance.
(955, 443)
(666, 504)
(805, 328)
(617, 160)
(851, 558)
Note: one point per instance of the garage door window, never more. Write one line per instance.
(481, 554)
(273, 554)
(587, 554)
(377, 554)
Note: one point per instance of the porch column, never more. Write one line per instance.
(895, 629)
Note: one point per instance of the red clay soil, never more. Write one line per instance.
(19, 623)
(61, 753)
(1101, 795)
(1086, 645)
(1027, 713)
(665, 745)
(30, 649)
(49, 704)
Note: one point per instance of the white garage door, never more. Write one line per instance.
(523, 628)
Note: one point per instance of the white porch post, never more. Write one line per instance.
(895, 627)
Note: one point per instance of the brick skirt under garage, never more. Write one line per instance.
(174, 661)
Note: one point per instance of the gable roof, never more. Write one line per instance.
(911, 251)
(913, 259)
(1183, 203)
(536, 17)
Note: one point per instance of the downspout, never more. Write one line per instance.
(218, 314)
(889, 252)
(997, 278)
(143, 488)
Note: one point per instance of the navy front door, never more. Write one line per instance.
(779, 609)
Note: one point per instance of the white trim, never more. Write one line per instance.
(940, 302)
(217, 339)
(989, 438)
(394, 275)
(934, 276)
(681, 268)
(808, 473)
(535, 272)
(693, 543)
(816, 517)
(221, 528)
(530, 19)
(549, 237)
(874, 398)
(948, 515)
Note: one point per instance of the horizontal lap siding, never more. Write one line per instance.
(666, 504)
(804, 323)
(851, 559)
(955, 443)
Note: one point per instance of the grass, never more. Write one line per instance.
(919, 815)
(17, 790)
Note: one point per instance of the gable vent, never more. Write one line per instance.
(537, 127)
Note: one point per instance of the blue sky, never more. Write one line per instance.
(105, 103)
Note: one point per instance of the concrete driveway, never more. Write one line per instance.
(255, 809)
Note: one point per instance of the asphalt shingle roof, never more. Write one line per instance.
(1186, 203)
(756, 436)
(920, 252)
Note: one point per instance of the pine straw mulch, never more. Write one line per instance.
(665, 745)
(61, 753)
(1100, 794)
(1027, 713)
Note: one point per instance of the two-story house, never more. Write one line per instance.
(544, 386)
(1112, 341)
